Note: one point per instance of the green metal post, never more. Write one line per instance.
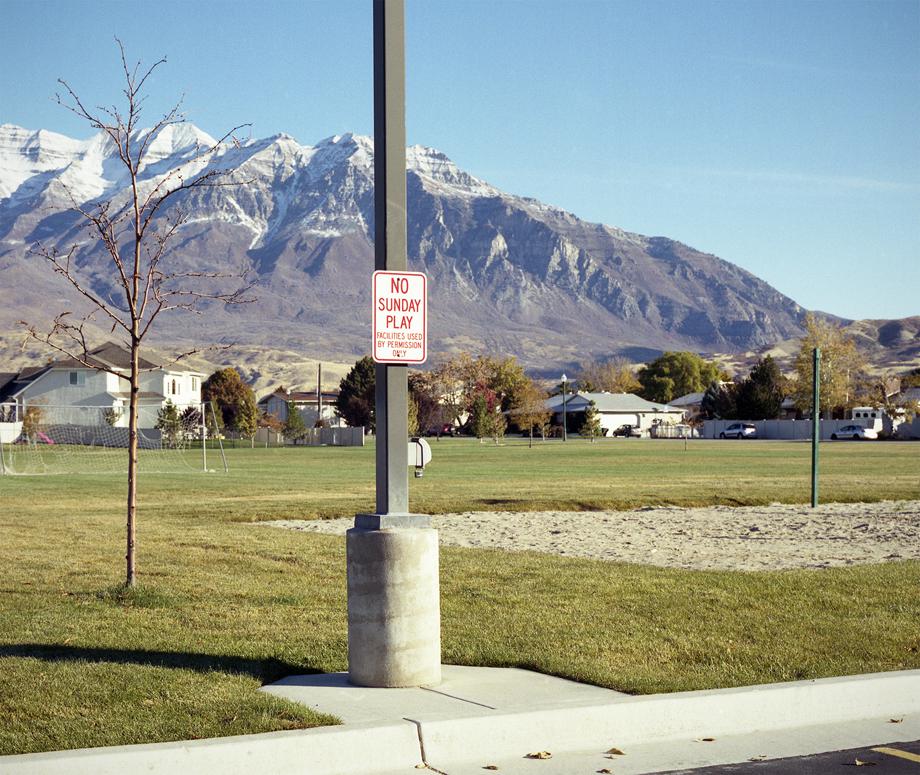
(815, 423)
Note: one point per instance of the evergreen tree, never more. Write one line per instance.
(190, 422)
(479, 417)
(169, 424)
(760, 396)
(719, 402)
(294, 427)
(356, 401)
(591, 424)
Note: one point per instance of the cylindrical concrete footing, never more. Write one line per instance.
(394, 613)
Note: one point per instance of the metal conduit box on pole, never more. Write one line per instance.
(394, 612)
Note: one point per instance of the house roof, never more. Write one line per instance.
(911, 394)
(109, 354)
(612, 403)
(299, 396)
(691, 399)
(13, 386)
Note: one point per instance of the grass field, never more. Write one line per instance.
(226, 605)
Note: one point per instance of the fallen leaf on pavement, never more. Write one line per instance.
(539, 755)
(605, 771)
(759, 758)
(705, 740)
(861, 763)
(896, 720)
(616, 751)
(490, 767)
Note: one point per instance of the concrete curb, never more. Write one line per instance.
(645, 719)
(445, 743)
(322, 751)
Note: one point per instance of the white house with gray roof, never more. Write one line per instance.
(615, 409)
(73, 393)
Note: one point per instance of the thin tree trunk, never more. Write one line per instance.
(132, 462)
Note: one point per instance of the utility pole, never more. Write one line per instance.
(394, 620)
(815, 422)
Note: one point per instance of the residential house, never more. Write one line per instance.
(70, 392)
(312, 406)
(614, 410)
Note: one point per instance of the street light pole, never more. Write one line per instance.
(394, 635)
(565, 431)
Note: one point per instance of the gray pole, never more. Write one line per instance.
(204, 440)
(565, 430)
(815, 422)
(394, 635)
(390, 244)
(319, 392)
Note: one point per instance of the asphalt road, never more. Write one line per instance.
(887, 759)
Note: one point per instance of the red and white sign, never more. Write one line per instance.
(400, 317)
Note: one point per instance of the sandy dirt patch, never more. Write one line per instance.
(778, 536)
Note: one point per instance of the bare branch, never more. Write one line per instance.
(62, 266)
(75, 333)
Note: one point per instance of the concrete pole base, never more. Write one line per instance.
(394, 613)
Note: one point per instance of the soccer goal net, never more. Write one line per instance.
(42, 439)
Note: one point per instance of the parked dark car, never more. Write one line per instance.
(628, 432)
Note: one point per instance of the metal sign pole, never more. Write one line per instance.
(394, 624)
(390, 243)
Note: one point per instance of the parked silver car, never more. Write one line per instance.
(739, 430)
(854, 432)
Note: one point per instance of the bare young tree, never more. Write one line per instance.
(135, 233)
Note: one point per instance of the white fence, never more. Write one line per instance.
(332, 437)
(786, 429)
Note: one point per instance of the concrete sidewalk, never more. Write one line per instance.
(480, 718)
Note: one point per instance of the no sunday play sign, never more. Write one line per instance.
(400, 317)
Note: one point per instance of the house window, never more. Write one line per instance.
(77, 378)
(194, 383)
(175, 389)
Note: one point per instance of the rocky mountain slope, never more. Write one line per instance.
(506, 274)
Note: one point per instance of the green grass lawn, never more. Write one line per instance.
(226, 605)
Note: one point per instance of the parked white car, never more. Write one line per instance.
(854, 432)
(739, 430)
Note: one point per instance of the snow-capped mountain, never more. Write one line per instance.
(507, 274)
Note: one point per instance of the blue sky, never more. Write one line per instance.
(781, 136)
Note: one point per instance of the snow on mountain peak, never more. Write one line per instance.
(176, 139)
(442, 174)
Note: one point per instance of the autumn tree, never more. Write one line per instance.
(136, 232)
(233, 399)
(356, 401)
(529, 410)
(426, 391)
(613, 376)
(841, 367)
(486, 418)
(674, 374)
